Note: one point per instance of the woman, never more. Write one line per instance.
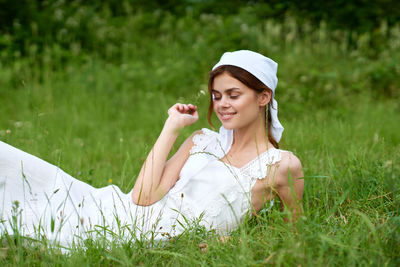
(214, 179)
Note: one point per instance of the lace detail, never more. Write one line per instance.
(200, 143)
(258, 167)
(208, 141)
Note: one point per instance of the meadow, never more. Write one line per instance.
(97, 113)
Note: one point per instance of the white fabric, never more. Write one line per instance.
(63, 209)
(264, 69)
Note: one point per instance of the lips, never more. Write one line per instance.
(226, 115)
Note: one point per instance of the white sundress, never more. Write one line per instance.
(39, 200)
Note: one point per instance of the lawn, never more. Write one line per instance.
(96, 116)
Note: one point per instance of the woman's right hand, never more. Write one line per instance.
(181, 115)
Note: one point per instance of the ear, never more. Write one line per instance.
(264, 97)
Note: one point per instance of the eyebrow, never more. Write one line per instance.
(226, 90)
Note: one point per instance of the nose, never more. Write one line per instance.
(224, 102)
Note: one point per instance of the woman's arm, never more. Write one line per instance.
(157, 175)
(289, 185)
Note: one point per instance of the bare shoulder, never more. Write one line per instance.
(196, 133)
(289, 183)
(289, 167)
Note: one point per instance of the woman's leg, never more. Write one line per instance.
(40, 195)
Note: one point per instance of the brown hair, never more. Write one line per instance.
(250, 81)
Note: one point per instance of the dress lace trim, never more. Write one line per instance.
(258, 168)
(208, 141)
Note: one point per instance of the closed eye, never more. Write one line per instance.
(216, 97)
(229, 92)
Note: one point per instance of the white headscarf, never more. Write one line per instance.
(262, 68)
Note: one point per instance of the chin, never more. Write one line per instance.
(228, 126)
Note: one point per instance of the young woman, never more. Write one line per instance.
(215, 178)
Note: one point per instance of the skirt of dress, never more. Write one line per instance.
(39, 200)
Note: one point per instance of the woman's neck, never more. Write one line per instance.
(250, 137)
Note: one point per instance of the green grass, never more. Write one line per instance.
(97, 119)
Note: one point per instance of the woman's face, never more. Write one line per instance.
(235, 104)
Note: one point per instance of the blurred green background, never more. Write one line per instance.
(86, 85)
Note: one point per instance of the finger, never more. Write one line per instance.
(192, 109)
(191, 106)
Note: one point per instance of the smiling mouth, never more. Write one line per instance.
(226, 116)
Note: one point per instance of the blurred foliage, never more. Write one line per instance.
(338, 56)
(359, 15)
(63, 22)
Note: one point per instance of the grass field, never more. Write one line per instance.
(97, 118)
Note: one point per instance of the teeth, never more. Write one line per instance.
(227, 115)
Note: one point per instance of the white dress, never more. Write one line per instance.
(38, 199)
